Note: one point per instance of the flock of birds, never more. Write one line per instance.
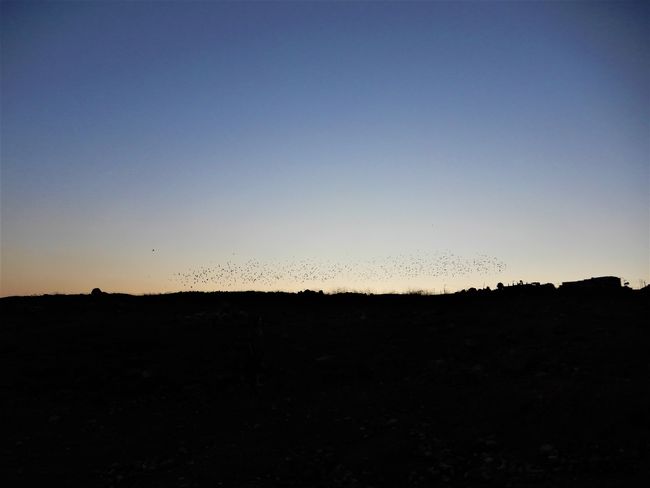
(255, 274)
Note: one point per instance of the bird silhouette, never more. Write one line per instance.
(256, 274)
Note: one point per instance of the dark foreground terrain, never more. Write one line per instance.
(262, 390)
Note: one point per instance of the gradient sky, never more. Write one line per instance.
(339, 132)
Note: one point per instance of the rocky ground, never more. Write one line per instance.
(263, 390)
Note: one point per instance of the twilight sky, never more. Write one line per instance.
(157, 146)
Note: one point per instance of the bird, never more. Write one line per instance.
(257, 274)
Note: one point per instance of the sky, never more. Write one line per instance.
(152, 147)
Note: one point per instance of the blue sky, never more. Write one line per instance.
(334, 131)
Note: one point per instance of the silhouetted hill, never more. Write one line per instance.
(524, 386)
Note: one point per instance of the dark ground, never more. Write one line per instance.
(262, 390)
